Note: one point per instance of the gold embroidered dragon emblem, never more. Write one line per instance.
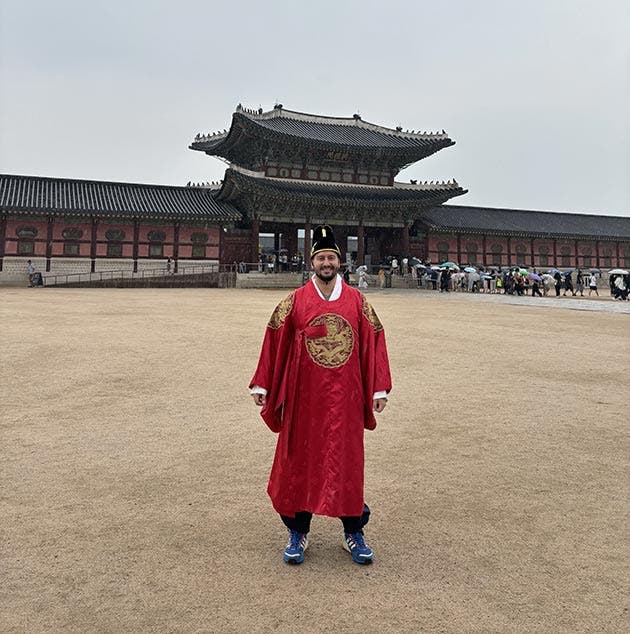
(281, 312)
(370, 314)
(333, 350)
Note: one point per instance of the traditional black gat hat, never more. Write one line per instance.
(324, 240)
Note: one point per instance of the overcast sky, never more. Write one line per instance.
(535, 94)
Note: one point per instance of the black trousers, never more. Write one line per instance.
(351, 524)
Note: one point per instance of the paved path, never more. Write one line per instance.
(602, 305)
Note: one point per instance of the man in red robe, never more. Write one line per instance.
(323, 372)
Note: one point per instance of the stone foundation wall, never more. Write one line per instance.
(273, 280)
(14, 268)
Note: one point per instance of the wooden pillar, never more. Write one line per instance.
(3, 237)
(618, 265)
(136, 238)
(290, 241)
(360, 243)
(253, 246)
(49, 238)
(555, 254)
(307, 244)
(531, 250)
(577, 257)
(459, 248)
(175, 245)
(509, 251)
(405, 241)
(341, 238)
(483, 247)
(93, 245)
(597, 254)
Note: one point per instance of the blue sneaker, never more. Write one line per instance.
(355, 544)
(294, 552)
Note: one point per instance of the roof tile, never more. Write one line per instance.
(60, 195)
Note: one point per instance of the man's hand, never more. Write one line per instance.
(259, 399)
(379, 404)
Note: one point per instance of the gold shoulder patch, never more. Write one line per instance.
(370, 314)
(281, 312)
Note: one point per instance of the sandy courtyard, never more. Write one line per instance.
(134, 467)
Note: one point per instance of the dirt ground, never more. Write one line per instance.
(134, 466)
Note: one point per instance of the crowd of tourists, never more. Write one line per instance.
(515, 280)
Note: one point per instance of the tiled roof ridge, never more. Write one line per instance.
(354, 121)
(538, 211)
(94, 181)
(422, 186)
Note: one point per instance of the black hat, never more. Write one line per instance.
(324, 240)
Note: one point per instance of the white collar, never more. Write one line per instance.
(336, 294)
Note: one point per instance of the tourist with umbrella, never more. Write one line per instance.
(557, 276)
(435, 276)
(547, 282)
(445, 280)
(579, 283)
(519, 282)
(536, 280)
(568, 282)
(619, 286)
(486, 282)
(473, 279)
(622, 287)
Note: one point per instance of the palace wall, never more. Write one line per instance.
(505, 251)
(64, 246)
(194, 242)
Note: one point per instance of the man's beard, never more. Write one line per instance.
(326, 276)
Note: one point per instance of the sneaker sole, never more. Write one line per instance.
(293, 561)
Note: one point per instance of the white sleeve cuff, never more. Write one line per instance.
(257, 390)
(381, 394)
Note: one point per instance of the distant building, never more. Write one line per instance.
(289, 171)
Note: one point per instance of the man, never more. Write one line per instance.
(31, 272)
(395, 266)
(323, 371)
(568, 284)
(558, 285)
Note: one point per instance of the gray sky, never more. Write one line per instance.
(535, 94)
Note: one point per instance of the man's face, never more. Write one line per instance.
(326, 265)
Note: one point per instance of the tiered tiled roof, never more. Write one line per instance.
(36, 194)
(520, 222)
(281, 127)
(239, 180)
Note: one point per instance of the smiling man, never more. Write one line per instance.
(323, 372)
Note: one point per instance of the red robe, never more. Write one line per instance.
(321, 363)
